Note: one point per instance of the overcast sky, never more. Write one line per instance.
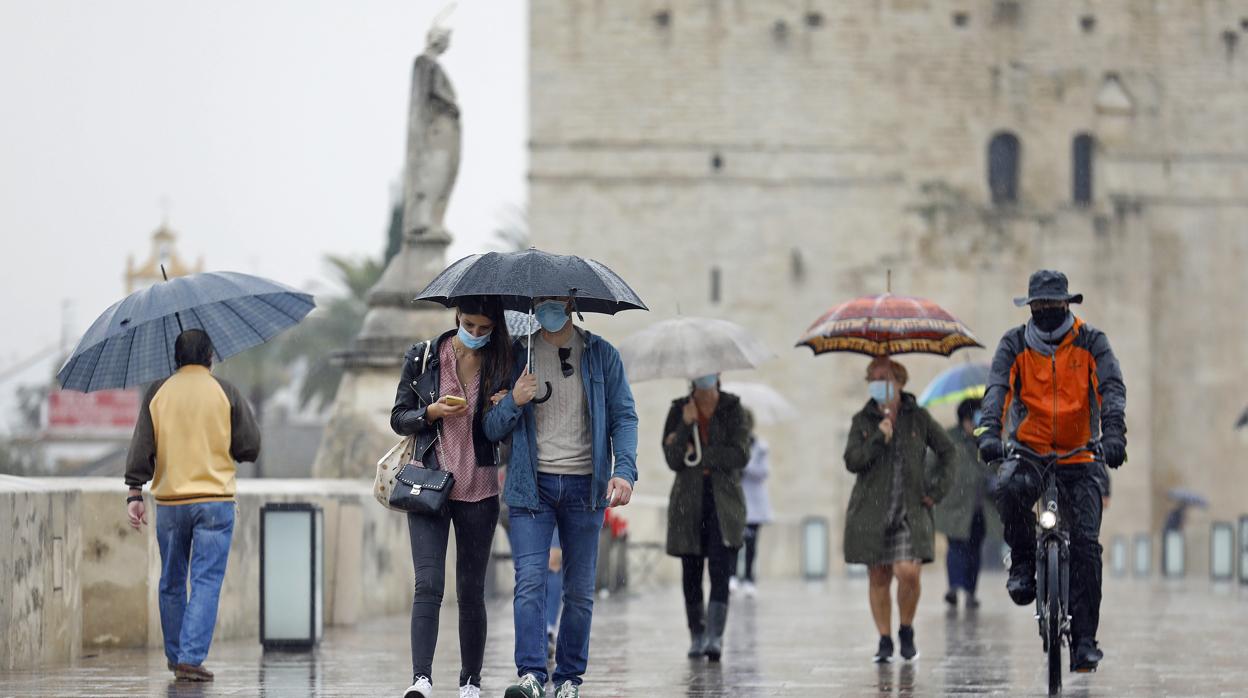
(274, 130)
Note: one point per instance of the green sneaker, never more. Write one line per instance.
(568, 690)
(529, 687)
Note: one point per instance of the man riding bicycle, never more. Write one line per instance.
(1056, 385)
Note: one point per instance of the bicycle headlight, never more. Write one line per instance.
(1048, 519)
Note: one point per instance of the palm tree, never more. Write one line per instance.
(332, 328)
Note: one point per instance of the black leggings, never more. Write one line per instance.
(719, 558)
(474, 536)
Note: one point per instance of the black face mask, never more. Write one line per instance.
(1048, 319)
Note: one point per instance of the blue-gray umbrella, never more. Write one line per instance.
(519, 277)
(131, 343)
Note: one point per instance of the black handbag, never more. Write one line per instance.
(421, 490)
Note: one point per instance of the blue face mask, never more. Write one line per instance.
(552, 315)
(979, 414)
(472, 342)
(706, 382)
(881, 391)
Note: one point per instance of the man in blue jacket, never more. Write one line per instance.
(573, 454)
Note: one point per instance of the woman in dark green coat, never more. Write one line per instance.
(889, 524)
(706, 441)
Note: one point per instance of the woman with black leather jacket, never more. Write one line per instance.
(446, 386)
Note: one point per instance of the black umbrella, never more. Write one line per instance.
(520, 277)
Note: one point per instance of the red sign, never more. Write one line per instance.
(101, 411)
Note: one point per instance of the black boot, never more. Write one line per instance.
(884, 654)
(1086, 657)
(697, 629)
(716, 621)
(905, 635)
(1022, 582)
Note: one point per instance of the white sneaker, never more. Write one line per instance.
(749, 589)
(423, 688)
(733, 585)
(469, 691)
(568, 690)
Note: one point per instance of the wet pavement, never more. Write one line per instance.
(1185, 639)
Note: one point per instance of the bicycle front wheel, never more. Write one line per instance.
(1053, 604)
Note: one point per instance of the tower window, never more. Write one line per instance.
(1003, 167)
(1081, 150)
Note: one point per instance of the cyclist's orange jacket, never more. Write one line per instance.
(1058, 403)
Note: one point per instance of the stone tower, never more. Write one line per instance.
(762, 160)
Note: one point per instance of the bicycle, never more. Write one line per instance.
(1052, 558)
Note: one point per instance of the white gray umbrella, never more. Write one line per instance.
(688, 347)
(764, 401)
(520, 324)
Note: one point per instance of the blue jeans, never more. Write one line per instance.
(198, 536)
(965, 557)
(564, 502)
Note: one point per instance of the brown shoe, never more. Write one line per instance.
(186, 672)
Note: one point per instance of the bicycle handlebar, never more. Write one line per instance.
(1092, 447)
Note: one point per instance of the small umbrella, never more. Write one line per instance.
(764, 401)
(885, 325)
(520, 277)
(520, 324)
(1186, 497)
(688, 347)
(962, 382)
(131, 343)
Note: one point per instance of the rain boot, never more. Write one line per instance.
(716, 620)
(697, 629)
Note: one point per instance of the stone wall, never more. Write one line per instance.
(40, 605)
(801, 148)
(81, 577)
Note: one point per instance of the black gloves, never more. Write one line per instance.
(1114, 448)
(990, 448)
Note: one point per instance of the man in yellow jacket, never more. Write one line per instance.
(192, 428)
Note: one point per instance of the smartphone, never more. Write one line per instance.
(454, 400)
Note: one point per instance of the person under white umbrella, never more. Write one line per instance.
(706, 442)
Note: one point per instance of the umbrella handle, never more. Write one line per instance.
(696, 459)
(544, 398)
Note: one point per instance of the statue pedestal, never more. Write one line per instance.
(358, 432)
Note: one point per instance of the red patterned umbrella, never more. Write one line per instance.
(885, 325)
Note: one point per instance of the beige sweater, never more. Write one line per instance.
(192, 428)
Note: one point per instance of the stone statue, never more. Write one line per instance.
(433, 138)
(358, 431)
